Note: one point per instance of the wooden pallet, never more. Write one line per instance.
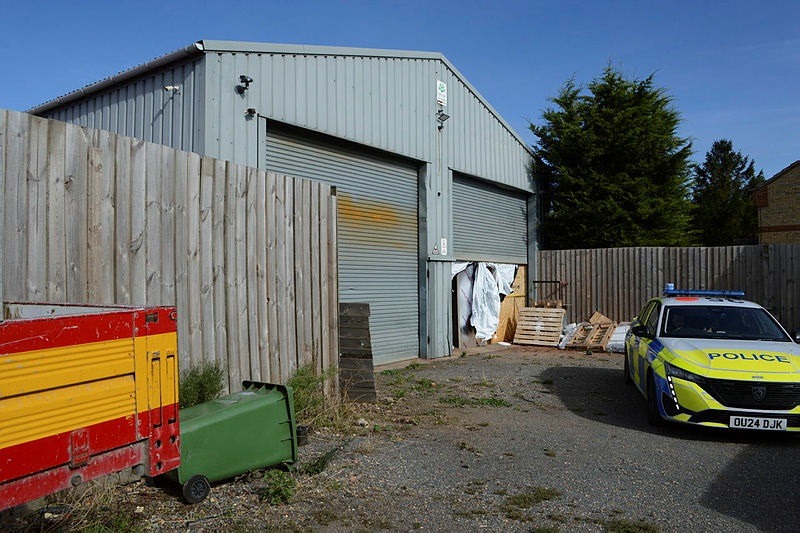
(539, 326)
(592, 336)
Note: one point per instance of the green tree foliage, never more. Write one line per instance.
(610, 168)
(723, 212)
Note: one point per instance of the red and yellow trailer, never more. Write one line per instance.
(85, 391)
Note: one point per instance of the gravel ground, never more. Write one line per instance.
(505, 438)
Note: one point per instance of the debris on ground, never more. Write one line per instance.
(593, 335)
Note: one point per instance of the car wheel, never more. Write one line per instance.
(626, 368)
(653, 416)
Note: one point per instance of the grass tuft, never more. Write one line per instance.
(308, 392)
(311, 407)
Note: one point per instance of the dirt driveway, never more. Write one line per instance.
(511, 439)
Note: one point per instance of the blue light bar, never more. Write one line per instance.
(698, 292)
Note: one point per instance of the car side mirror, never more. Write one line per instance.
(795, 334)
(640, 330)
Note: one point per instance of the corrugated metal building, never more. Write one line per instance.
(426, 171)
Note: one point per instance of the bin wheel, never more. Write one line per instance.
(196, 489)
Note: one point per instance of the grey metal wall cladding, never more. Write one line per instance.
(144, 109)
(384, 101)
(489, 223)
(378, 251)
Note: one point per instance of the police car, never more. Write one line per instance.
(714, 359)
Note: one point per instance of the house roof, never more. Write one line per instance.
(204, 46)
(777, 176)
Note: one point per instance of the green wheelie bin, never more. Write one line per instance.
(234, 434)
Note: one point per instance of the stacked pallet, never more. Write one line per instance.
(539, 326)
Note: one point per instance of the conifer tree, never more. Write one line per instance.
(610, 168)
(723, 212)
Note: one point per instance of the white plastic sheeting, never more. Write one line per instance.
(617, 341)
(568, 332)
(489, 282)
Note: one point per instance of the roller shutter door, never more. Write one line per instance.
(489, 223)
(377, 228)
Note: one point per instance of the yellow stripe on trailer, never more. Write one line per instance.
(46, 392)
(41, 370)
(30, 417)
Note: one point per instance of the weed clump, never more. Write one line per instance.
(279, 488)
(516, 505)
(308, 390)
(201, 383)
(460, 401)
(626, 526)
(90, 507)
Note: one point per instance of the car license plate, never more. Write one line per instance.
(755, 422)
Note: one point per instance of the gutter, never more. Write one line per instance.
(187, 51)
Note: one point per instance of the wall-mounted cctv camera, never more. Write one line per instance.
(244, 84)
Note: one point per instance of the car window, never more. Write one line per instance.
(641, 318)
(721, 322)
(652, 318)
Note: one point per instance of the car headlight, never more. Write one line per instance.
(680, 373)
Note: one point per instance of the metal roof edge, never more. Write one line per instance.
(309, 49)
(208, 45)
(186, 51)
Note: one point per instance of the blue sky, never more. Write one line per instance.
(732, 67)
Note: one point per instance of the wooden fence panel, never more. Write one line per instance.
(218, 295)
(37, 210)
(75, 198)
(16, 205)
(248, 257)
(205, 296)
(56, 223)
(122, 237)
(191, 299)
(137, 241)
(617, 281)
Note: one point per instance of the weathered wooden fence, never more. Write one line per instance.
(617, 281)
(248, 257)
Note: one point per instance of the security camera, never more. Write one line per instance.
(244, 84)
